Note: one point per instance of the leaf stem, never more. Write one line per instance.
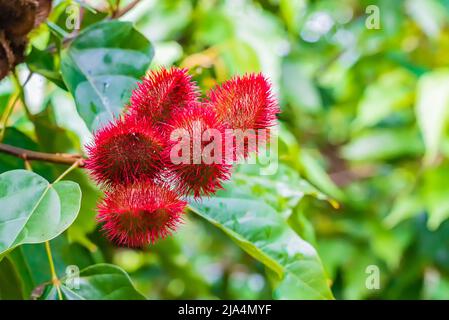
(28, 165)
(114, 8)
(119, 13)
(21, 93)
(6, 114)
(54, 277)
(10, 107)
(72, 167)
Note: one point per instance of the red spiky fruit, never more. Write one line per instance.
(197, 151)
(124, 151)
(139, 214)
(162, 92)
(246, 103)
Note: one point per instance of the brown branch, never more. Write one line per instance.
(116, 8)
(125, 9)
(27, 155)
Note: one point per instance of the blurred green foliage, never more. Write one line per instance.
(364, 121)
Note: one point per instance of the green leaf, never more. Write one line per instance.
(10, 286)
(44, 63)
(391, 92)
(31, 262)
(291, 13)
(34, 211)
(432, 105)
(436, 195)
(97, 282)
(299, 90)
(438, 288)
(430, 15)
(282, 190)
(51, 136)
(383, 144)
(355, 275)
(262, 233)
(27, 272)
(85, 223)
(405, 207)
(316, 174)
(102, 66)
(5, 94)
(239, 57)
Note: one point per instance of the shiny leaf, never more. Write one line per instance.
(97, 282)
(102, 66)
(262, 233)
(34, 211)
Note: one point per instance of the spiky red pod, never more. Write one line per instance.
(162, 92)
(124, 151)
(139, 214)
(246, 103)
(197, 151)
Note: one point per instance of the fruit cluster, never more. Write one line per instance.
(131, 157)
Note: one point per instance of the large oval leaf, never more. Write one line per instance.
(33, 210)
(10, 286)
(261, 232)
(432, 105)
(102, 66)
(98, 282)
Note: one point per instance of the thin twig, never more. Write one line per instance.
(61, 158)
(28, 165)
(54, 277)
(21, 88)
(75, 165)
(115, 8)
(10, 107)
(6, 114)
(125, 9)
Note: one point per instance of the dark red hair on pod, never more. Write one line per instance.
(161, 92)
(124, 151)
(139, 214)
(170, 144)
(246, 103)
(204, 165)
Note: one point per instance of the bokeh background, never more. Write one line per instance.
(364, 114)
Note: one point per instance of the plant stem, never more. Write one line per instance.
(28, 165)
(25, 154)
(6, 114)
(10, 107)
(21, 93)
(114, 8)
(73, 166)
(54, 277)
(125, 10)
